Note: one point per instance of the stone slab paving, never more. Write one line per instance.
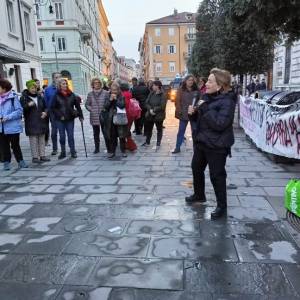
(120, 230)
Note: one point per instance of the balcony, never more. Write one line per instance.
(85, 32)
(190, 36)
(187, 55)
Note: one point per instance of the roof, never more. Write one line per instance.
(184, 17)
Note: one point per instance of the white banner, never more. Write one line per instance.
(273, 128)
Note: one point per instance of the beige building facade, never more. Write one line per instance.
(167, 45)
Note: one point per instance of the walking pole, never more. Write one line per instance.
(81, 122)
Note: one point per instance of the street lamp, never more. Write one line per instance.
(54, 44)
(38, 3)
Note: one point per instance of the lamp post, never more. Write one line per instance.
(54, 45)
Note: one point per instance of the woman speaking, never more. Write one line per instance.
(213, 138)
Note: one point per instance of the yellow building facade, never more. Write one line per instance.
(167, 45)
(106, 40)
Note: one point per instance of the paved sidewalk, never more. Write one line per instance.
(120, 230)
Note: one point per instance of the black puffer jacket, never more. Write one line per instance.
(158, 103)
(66, 108)
(140, 93)
(34, 124)
(214, 121)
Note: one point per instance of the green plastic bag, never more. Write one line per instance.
(292, 197)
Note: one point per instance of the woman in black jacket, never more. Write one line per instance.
(213, 138)
(36, 123)
(66, 107)
(155, 114)
(113, 102)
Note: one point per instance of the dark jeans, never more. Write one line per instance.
(216, 161)
(54, 131)
(181, 131)
(13, 141)
(140, 123)
(113, 142)
(63, 127)
(149, 129)
(96, 132)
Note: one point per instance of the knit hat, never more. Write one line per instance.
(30, 83)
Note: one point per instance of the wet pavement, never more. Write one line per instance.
(120, 230)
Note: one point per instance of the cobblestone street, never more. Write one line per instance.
(90, 228)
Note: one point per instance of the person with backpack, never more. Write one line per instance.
(10, 125)
(140, 93)
(36, 123)
(130, 144)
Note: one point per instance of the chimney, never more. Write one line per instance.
(175, 12)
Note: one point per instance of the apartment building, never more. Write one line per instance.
(19, 52)
(286, 67)
(69, 40)
(167, 45)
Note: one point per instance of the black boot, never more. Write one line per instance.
(219, 212)
(62, 155)
(97, 149)
(194, 198)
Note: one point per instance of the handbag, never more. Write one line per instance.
(292, 197)
(120, 117)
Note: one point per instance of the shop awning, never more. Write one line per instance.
(9, 57)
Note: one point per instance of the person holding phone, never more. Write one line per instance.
(186, 95)
(214, 137)
(36, 123)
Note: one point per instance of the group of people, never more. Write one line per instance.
(112, 111)
(209, 106)
(56, 103)
(256, 86)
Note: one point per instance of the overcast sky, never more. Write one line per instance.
(127, 19)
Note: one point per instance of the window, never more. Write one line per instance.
(42, 44)
(11, 16)
(158, 67)
(287, 69)
(157, 31)
(191, 30)
(32, 73)
(61, 44)
(172, 67)
(190, 48)
(157, 49)
(171, 31)
(172, 49)
(27, 26)
(38, 12)
(59, 11)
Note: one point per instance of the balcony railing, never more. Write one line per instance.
(187, 55)
(190, 36)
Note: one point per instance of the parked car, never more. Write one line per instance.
(265, 95)
(285, 98)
